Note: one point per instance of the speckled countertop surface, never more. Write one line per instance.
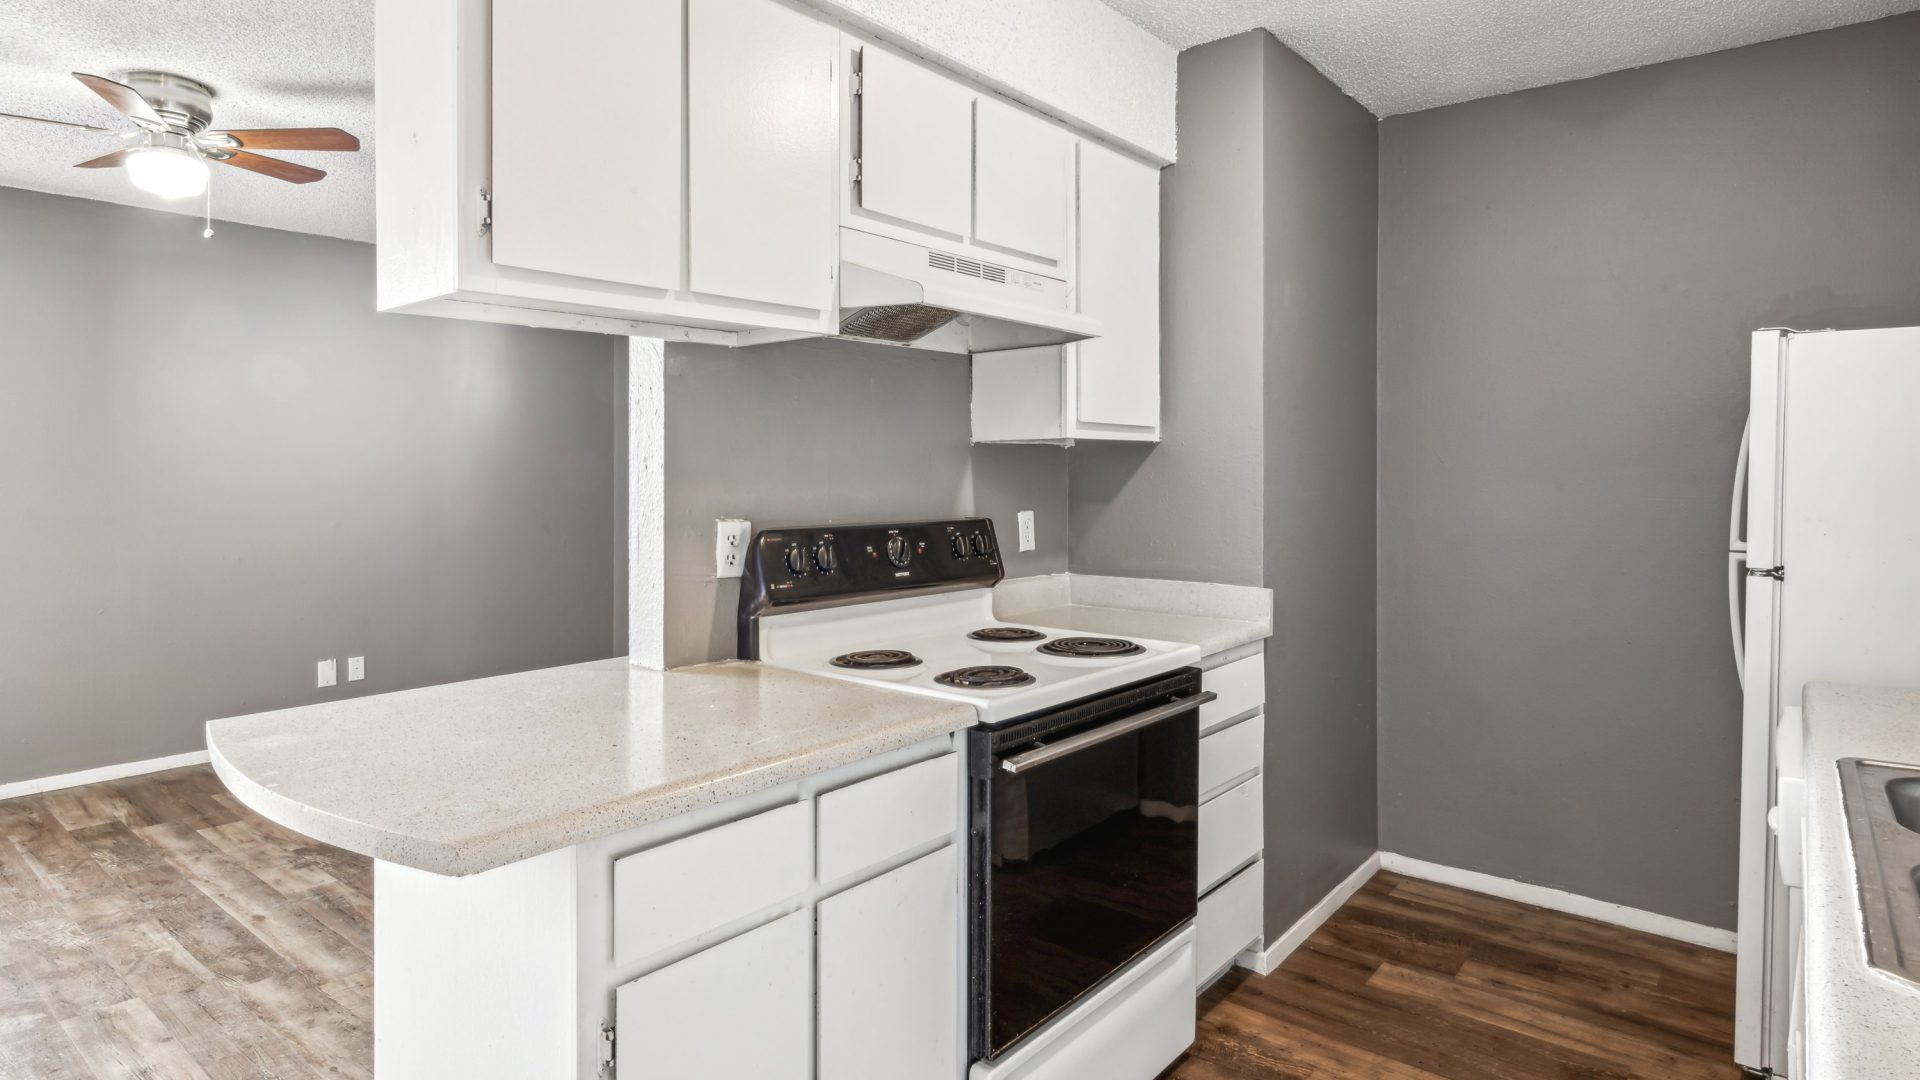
(464, 777)
(1861, 1024)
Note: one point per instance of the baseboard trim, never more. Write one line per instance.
(1665, 926)
(105, 772)
(1266, 960)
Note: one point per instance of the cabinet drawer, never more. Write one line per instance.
(1228, 922)
(741, 1008)
(1229, 831)
(673, 893)
(1242, 685)
(1229, 754)
(879, 818)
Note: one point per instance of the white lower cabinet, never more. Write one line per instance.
(1232, 873)
(1229, 919)
(890, 974)
(740, 1009)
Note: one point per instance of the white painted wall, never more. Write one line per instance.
(1077, 60)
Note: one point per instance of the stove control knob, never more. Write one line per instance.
(796, 561)
(980, 544)
(899, 551)
(825, 557)
(959, 546)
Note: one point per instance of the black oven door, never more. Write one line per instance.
(1085, 830)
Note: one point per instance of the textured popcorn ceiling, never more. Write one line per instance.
(271, 63)
(1397, 56)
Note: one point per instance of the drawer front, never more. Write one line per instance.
(877, 819)
(1242, 685)
(1229, 831)
(675, 892)
(743, 1008)
(1230, 754)
(1229, 921)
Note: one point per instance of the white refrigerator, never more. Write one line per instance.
(1824, 583)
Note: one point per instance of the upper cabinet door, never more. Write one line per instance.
(916, 145)
(763, 146)
(1022, 169)
(572, 195)
(1118, 373)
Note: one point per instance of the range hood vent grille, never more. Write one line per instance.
(956, 264)
(901, 323)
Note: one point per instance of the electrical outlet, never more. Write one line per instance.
(325, 673)
(731, 536)
(1026, 530)
(356, 668)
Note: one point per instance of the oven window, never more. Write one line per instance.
(1091, 862)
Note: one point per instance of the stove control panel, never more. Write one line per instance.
(827, 565)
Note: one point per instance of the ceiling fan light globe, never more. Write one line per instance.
(167, 172)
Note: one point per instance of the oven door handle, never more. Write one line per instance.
(1072, 744)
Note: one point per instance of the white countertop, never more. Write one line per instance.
(1861, 1023)
(464, 777)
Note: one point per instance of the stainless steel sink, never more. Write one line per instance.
(1883, 820)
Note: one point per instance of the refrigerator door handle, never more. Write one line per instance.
(1737, 556)
(1735, 580)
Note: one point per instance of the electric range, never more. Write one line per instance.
(1083, 766)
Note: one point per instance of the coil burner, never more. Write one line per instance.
(1097, 648)
(873, 659)
(1006, 634)
(989, 677)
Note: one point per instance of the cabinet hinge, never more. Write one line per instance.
(857, 84)
(606, 1048)
(856, 169)
(1777, 573)
(486, 216)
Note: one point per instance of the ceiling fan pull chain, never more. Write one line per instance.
(207, 233)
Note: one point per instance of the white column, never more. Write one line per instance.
(646, 502)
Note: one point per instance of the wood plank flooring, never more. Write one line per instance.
(154, 928)
(1416, 981)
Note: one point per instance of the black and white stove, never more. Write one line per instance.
(1084, 800)
(910, 607)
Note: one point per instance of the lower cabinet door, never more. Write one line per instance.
(738, 1011)
(890, 975)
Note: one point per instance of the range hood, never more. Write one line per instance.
(903, 293)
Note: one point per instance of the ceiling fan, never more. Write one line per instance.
(171, 113)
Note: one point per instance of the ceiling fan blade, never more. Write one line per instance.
(61, 123)
(289, 139)
(123, 97)
(274, 167)
(107, 161)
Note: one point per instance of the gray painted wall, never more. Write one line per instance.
(1321, 170)
(830, 431)
(219, 465)
(1568, 279)
(1189, 508)
(1266, 471)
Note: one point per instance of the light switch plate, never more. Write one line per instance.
(325, 673)
(1026, 530)
(730, 539)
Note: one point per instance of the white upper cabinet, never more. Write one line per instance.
(762, 146)
(915, 145)
(1023, 168)
(613, 213)
(1106, 387)
(663, 168)
(1117, 381)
